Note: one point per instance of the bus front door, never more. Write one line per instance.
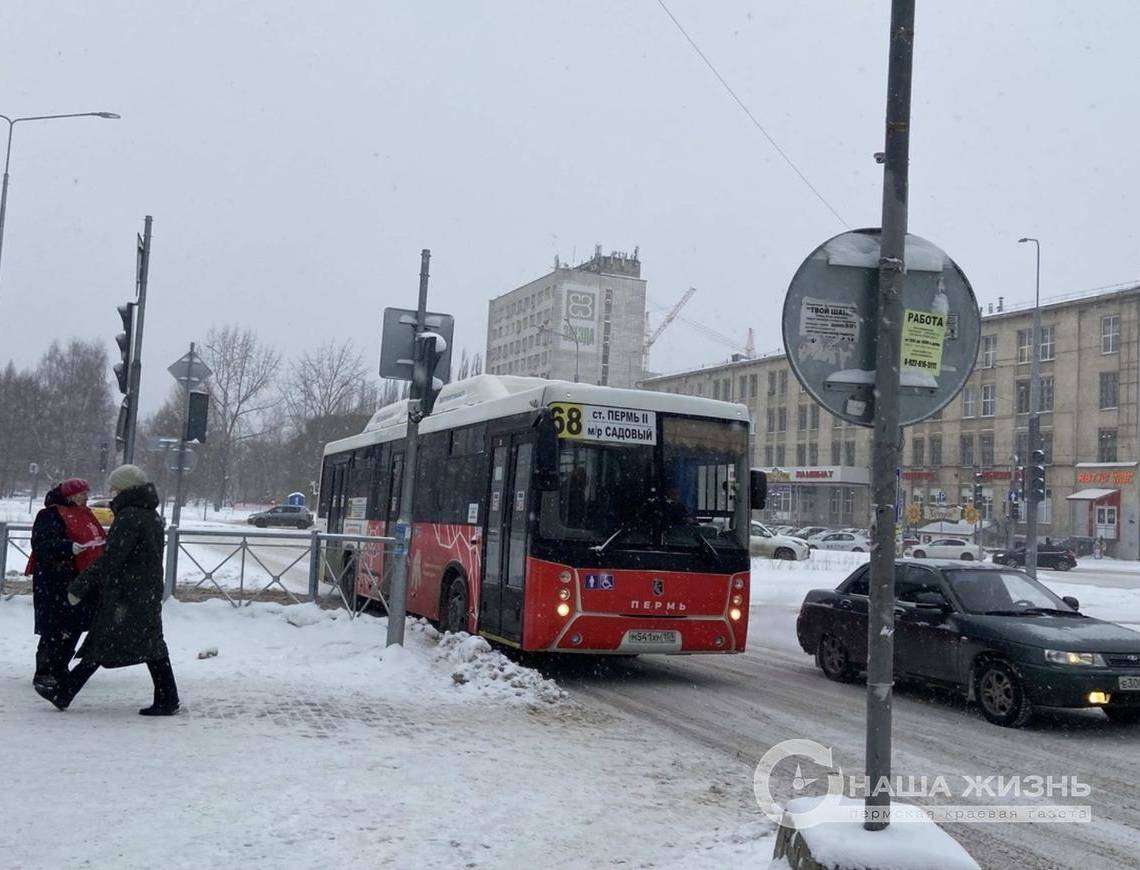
(504, 567)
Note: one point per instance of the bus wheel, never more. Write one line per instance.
(454, 615)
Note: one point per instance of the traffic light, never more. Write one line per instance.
(430, 349)
(196, 422)
(979, 496)
(124, 340)
(1018, 484)
(1014, 511)
(1037, 476)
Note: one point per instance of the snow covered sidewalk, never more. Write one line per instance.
(303, 743)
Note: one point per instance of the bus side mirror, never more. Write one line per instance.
(759, 489)
(546, 452)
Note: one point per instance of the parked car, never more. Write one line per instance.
(101, 507)
(1058, 558)
(988, 631)
(765, 542)
(293, 516)
(947, 548)
(808, 531)
(840, 541)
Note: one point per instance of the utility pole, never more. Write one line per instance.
(892, 277)
(176, 511)
(1032, 497)
(398, 597)
(142, 272)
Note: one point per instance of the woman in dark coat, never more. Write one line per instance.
(66, 538)
(127, 628)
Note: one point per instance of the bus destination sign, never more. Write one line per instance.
(601, 423)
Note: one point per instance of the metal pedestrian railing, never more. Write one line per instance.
(246, 566)
(15, 539)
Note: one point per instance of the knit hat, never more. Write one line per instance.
(73, 486)
(126, 477)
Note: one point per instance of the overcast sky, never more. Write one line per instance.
(297, 156)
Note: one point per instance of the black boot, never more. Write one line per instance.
(56, 694)
(165, 689)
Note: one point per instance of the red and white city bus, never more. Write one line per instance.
(561, 516)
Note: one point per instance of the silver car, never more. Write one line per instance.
(290, 515)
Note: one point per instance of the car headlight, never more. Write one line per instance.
(1081, 659)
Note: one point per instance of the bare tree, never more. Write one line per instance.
(477, 364)
(73, 419)
(241, 390)
(325, 383)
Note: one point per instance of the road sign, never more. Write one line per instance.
(830, 327)
(914, 514)
(970, 514)
(161, 443)
(189, 371)
(188, 463)
(398, 343)
(33, 468)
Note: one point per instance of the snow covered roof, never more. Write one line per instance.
(1090, 494)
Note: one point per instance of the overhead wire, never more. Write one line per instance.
(775, 146)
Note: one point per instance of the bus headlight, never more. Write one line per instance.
(734, 614)
(738, 583)
(564, 577)
(564, 594)
(737, 600)
(564, 609)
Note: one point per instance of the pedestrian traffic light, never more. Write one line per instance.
(979, 496)
(1037, 476)
(430, 349)
(1014, 511)
(124, 340)
(1018, 485)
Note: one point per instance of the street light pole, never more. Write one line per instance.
(12, 122)
(1034, 419)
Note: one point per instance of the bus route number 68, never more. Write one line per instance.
(567, 419)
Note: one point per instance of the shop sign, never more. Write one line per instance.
(1116, 478)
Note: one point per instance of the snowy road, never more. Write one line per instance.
(741, 706)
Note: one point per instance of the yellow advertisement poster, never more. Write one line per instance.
(922, 336)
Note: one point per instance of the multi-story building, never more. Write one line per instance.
(1090, 423)
(578, 323)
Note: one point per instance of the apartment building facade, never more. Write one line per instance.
(1090, 403)
(577, 323)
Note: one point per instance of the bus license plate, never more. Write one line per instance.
(1130, 684)
(660, 640)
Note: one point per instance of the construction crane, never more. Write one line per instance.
(669, 317)
(747, 351)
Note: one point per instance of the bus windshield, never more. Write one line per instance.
(681, 492)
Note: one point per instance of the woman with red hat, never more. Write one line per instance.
(66, 539)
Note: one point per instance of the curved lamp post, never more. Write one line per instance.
(12, 122)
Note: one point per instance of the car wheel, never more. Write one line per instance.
(858, 550)
(785, 554)
(301, 524)
(261, 524)
(967, 557)
(832, 658)
(1000, 694)
(1064, 565)
(454, 616)
(919, 554)
(1123, 715)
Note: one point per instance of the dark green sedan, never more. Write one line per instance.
(988, 631)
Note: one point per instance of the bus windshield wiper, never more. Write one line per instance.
(601, 548)
(705, 542)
